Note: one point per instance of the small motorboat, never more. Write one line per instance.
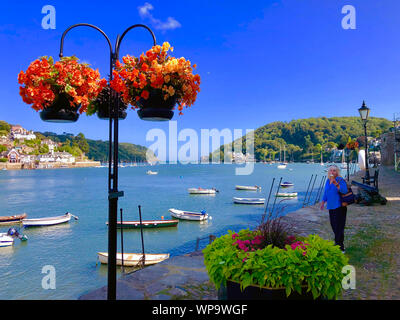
(134, 259)
(12, 219)
(287, 184)
(49, 221)
(147, 224)
(151, 172)
(189, 215)
(6, 240)
(202, 191)
(248, 188)
(249, 200)
(282, 166)
(287, 194)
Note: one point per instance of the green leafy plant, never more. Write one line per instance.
(310, 262)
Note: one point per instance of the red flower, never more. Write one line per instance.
(145, 94)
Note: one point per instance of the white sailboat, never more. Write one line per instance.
(283, 164)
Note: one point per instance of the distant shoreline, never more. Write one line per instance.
(58, 165)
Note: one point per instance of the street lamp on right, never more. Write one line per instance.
(364, 113)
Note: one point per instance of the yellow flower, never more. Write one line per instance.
(166, 46)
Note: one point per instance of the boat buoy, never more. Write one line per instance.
(162, 217)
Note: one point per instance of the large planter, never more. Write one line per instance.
(60, 111)
(102, 105)
(155, 108)
(233, 292)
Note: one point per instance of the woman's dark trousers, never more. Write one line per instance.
(337, 218)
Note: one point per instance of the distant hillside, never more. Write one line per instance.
(98, 149)
(304, 138)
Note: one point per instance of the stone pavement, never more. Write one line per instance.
(180, 277)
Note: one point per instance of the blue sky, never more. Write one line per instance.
(260, 61)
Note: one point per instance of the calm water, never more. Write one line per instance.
(71, 248)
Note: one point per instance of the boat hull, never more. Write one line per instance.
(133, 259)
(287, 195)
(187, 215)
(12, 219)
(41, 222)
(5, 240)
(248, 188)
(201, 191)
(253, 201)
(147, 224)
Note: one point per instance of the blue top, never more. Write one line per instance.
(332, 195)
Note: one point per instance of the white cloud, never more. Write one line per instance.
(170, 24)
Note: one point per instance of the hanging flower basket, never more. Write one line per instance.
(61, 90)
(155, 82)
(101, 105)
(60, 110)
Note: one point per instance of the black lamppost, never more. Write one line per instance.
(364, 113)
(159, 114)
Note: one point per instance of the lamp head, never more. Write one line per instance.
(364, 112)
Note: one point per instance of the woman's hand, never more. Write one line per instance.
(332, 179)
(322, 205)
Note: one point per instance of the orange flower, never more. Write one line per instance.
(145, 94)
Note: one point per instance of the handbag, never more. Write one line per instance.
(347, 198)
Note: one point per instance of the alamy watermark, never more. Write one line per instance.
(349, 20)
(49, 20)
(49, 280)
(193, 149)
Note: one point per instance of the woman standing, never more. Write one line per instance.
(335, 185)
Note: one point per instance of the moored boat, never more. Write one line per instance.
(282, 166)
(287, 194)
(287, 184)
(133, 259)
(189, 215)
(48, 221)
(6, 240)
(249, 200)
(147, 224)
(12, 219)
(151, 172)
(202, 191)
(248, 188)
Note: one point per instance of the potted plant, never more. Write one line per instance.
(61, 90)
(101, 105)
(155, 82)
(271, 262)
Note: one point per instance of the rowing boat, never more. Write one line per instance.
(249, 200)
(12, 219)
(48, 221)
(6, 240)
(248, 188)
(188, 215)
(286, 184)
(133, 259)
(202, 191)
(147, 224)
(287, 194)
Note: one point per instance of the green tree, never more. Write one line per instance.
(5, 126)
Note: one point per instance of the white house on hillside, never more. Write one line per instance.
(17, 132)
